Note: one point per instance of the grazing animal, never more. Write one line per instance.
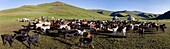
(32, 40)
(8, 38)
(25, 19)
(70, 33)
(65, 26)
(86, 41)
(141, 31)
(45, 28)
(115, 30)
(24, 31)
(124, 30)
(81, 31)
(92, 29)
(163, 27)
(156, 26)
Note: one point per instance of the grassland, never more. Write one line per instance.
(101, 40)
(9, 23)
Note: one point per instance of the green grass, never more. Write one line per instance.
(9, 23)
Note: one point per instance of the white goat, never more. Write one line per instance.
(25, 19)
(81, 31)
(124, 31)
(115, 30)
(44, 28)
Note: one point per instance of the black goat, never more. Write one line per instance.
(70, 33)
(66, 33)
(8, 38)
(24, 31)
(163, 27)
(141, 31)
(32, 40)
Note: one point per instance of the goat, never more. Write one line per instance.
(24, 31)
(70, 33)
(86, 40)
(141, 31)
(25, 19)
(115, 30)
(44, 28)
(32, 39)
(124, 30)
(8, 38)
(81, 31)
(163, 27)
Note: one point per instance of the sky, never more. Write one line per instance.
(149, 6)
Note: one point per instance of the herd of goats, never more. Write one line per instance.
(78, 27)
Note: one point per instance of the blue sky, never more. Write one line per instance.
(150, 6)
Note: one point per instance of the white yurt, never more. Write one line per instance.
(115, 18)
(130, 18)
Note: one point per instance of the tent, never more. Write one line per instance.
(115, 18)
(130, 18)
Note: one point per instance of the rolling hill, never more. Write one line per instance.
(57, 9)
(136, 14)
(166, 15)
(103, 12)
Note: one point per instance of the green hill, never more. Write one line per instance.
(57, 9)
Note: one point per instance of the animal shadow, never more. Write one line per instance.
(69, 44)
(17, 32)
(111, 36)
(52, 34)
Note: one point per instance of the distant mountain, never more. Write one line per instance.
(103, 12)
(134, 14)
(166, 15)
